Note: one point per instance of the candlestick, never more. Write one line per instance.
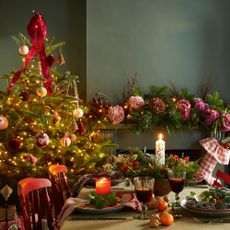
(160, 150)
(103, 185)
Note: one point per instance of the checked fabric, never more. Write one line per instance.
(216, 153)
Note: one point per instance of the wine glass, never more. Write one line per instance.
(143, 189)
(177, 182)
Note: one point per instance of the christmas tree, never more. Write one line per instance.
(41, 119)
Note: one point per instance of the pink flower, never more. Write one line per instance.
(116, 114)
(184, 109)
(200, 105)
(187, 159)
(210, 115)
(135, 102)
(225, 122)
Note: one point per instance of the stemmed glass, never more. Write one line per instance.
(177, 182)
(143, 189)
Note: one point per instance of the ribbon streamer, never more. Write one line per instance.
(37, 31)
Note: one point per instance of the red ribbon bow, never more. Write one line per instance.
(37, 31)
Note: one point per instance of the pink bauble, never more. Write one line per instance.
(65, 141)
(3, 123)
(42, 139)
(73, 137)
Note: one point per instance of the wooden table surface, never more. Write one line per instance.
(186, 222)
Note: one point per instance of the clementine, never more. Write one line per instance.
(166, 218)
(162, 205)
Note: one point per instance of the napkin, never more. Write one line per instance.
(127, 200)
(215, 153)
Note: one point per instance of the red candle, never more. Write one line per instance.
(103, 185)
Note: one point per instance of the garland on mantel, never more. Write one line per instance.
(162, 107)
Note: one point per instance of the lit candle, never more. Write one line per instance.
(160, 150)
(103, 185)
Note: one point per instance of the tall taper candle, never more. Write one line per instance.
(160, 150)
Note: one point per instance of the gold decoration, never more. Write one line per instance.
(6, 192)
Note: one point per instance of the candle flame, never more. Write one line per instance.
(160, 136)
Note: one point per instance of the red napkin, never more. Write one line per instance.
(126, 199)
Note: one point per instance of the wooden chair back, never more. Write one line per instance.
(223, 177)
(60, 187)
(35, 203)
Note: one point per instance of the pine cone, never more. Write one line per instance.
(157, 105)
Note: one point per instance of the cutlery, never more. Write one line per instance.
(213, 220)
(96, 218)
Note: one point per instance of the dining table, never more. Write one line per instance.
(124, 219)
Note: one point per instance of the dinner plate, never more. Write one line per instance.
(205, 212)
(115, 208)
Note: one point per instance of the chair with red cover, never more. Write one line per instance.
(35, 202)
(221, 177)
(60, 187)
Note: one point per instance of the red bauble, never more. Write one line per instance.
(42, 139)
(14, 144)
(50, 60)
(25, 95)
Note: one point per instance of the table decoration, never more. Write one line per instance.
(138, 163)
(103, 185)
(160, 150)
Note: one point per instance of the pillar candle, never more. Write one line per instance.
(103, 185)
(160, 150)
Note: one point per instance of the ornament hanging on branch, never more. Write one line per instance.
(73, 137)
(61, 59)
(78, 113)
(31, 158)
(74, 126)
(42, 139)
(23, 50)
(41, 92)
(3, 123)
(56, 118)
(66, 141)
(25, 95)
(14, 144)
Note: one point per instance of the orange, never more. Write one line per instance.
(166, 218)
(162, 205)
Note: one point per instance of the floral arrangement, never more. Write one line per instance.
(162, 107)
(138, 163)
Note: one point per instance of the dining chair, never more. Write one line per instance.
(60, 186)
(35, 203)
(222, 177)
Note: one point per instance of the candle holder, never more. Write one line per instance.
(103, 185)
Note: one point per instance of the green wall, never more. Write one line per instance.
(182, 41)
(65, 21)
